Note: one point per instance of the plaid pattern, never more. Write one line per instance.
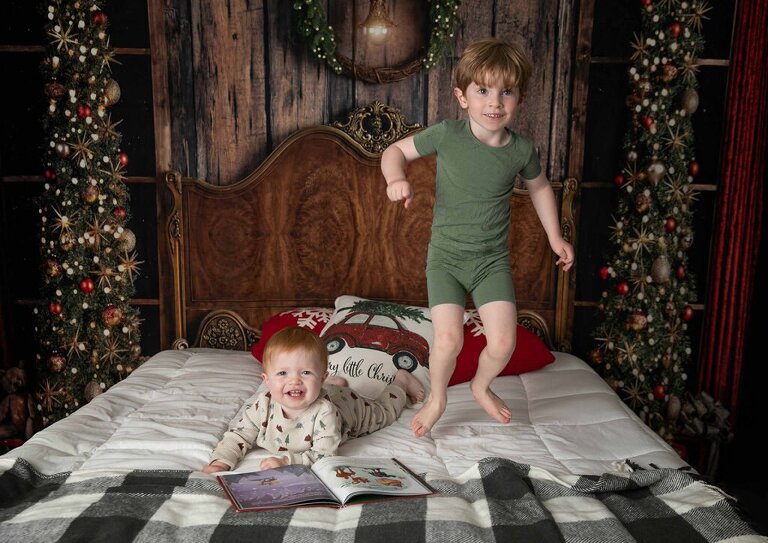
(496, 500)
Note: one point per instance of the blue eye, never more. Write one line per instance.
(482, 91)
(508, 92)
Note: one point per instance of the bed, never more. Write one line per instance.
(309, 226)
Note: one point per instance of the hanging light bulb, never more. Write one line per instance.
(377, 24)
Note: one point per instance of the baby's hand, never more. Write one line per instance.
(274, 462)
(215, 466)
(400, 190)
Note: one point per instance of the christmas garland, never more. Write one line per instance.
(313, 25)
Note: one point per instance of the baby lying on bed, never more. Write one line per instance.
(303, 416)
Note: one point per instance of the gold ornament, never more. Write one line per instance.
(54, 90)
(90, 194)
(690, 100)
(111, 93)
(656, 171)
(668, 73)
(92, 389)
(596, 355)
(642, 202)
(112, 315)
(127, 241)
(135, 351)
(56, 363)
(636, 321)
(666, 361)
(661, 269)
(52, 267)
(95, 357)
(62, 149)
(67, 241)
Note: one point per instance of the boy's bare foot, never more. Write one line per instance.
(412, 386)
(336, 380)
(427, 416)
(492, 404)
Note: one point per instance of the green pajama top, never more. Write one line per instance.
(473, 186)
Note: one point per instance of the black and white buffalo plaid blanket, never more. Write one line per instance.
(496, 500)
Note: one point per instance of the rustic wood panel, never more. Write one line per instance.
(295, 83)
(181, 88)
(230, 87)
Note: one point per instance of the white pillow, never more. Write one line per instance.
(369, 340)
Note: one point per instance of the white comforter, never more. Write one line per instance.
(173, 410)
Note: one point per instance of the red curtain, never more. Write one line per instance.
(737, 225)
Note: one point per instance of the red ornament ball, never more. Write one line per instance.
(112, 315)
(647, 121)
(49, 174)
(675, 29)
(122, 156)
(55, 308)
(670, 224)
(687, 313)
(99, 18)
(659, 392)
(619, 180)
(604, 273)
(693, 168)
(87, 285)
(83, 111)
(646, 3)
(119, 213)
(680, 272)
(56, 363)
(623, 288)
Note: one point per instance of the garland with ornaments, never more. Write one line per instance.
(322, 41)
(88, 334)
(643, 347)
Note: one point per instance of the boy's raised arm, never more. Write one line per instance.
(393, 162)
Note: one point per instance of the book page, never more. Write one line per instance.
(348, 476)
(279, 487)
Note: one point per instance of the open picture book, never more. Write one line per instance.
(333, 481)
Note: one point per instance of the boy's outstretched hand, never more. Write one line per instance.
(564, 251)
(400, 190)
(274, 462)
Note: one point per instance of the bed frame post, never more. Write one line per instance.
(175, 237)
(564, 303)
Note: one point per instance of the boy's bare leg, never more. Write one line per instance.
(448, 322)
(412, 386)
(500, 323)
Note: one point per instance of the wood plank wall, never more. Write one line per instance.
(241, 79)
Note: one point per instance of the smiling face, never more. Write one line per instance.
(491, 107)
(294, 379)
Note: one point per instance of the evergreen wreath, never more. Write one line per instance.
(313, 25)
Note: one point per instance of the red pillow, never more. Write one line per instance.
(530, 354)
(313, 319)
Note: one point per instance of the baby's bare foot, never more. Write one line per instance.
(427, 416)
(336, 380)
(492, 404)
(412, 386)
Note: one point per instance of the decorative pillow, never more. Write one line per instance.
(312, 318)
(369, 340)
(530, 351)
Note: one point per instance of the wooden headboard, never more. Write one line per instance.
(313, 222)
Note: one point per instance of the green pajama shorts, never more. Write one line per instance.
(450, 276)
